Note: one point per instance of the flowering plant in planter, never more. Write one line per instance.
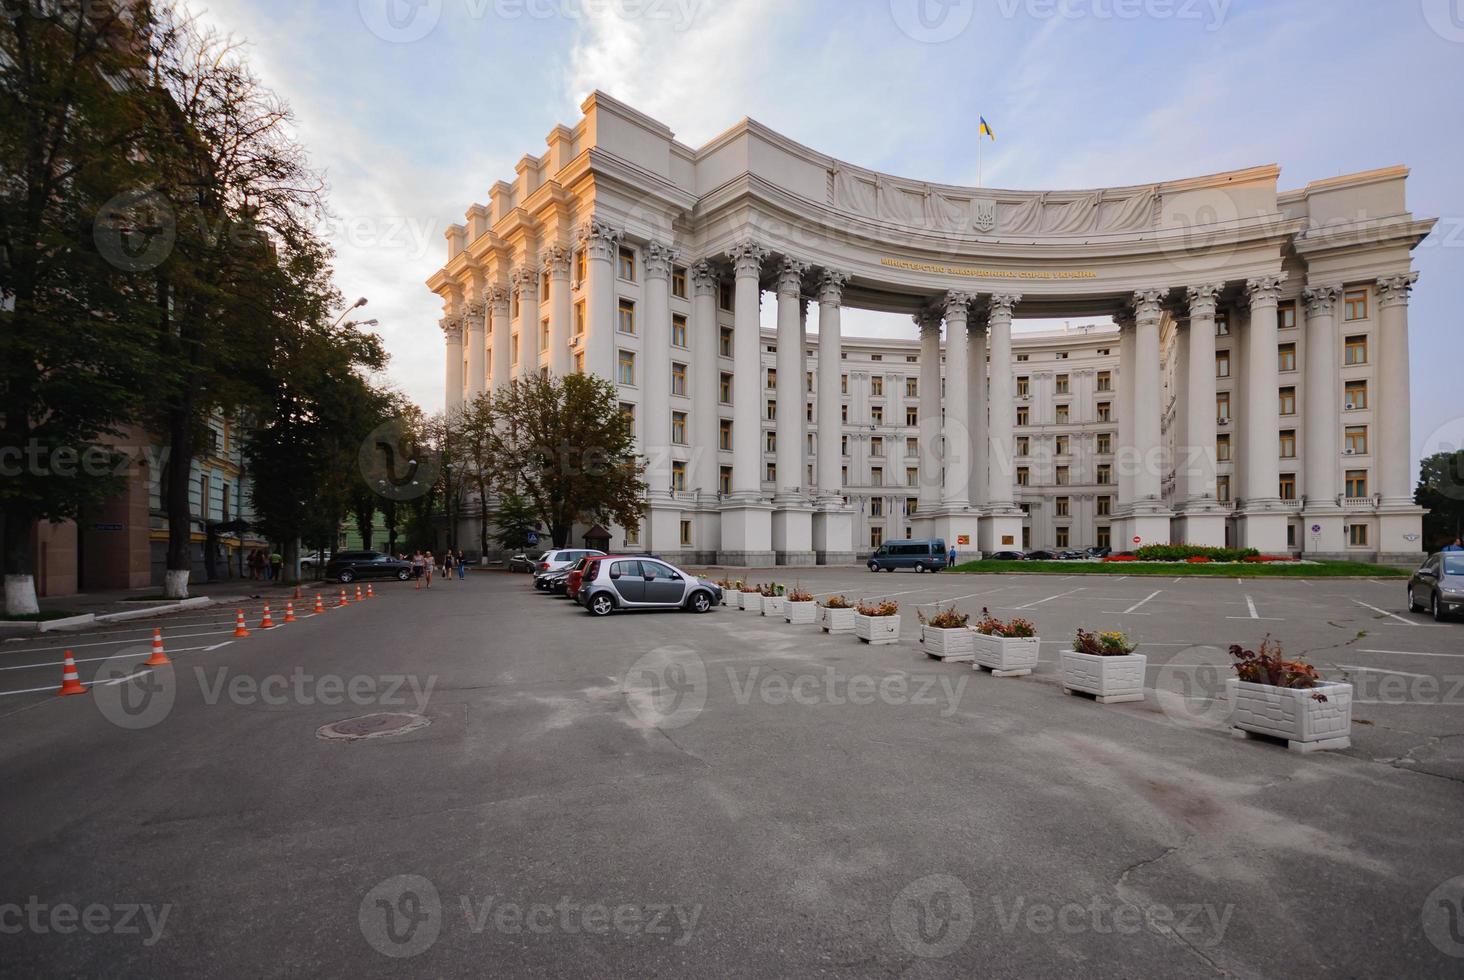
(1287, 699)
(799, 607)
(877, 624)
(772, 599)
(1104, 665)
(944, 634)
(1007, 648)
(836, 615)
(752, 597)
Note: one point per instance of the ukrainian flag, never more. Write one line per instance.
(986, 129)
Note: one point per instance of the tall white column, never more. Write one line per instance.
(1199, 455)
(747, 259)
(1127, 458)
(1393, 455)
(1262, 447)
(525, 282)
(1321, 483)
(830, 370)
(555, 260)
(655, 374)
(599, 242)
(930, 418)
(976, 397)
(477, 339)
(705, 379)
(1148, 383)
(789, 388)
(452, 333)
(502, 366)
(956, 489)
(1001, 408)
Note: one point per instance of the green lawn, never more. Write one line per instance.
(1322, 569)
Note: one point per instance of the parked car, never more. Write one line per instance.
(612, 582)
(1438, 586)
(312, 561)
(1099, 552)
(575, 577)
(347, 566)
(927, 555)
(1006, 556)
(1072, 555)
(522, 563)
(1040, 555)
(559, 560)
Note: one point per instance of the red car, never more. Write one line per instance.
(576, 576)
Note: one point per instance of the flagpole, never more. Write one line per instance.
(980, 145)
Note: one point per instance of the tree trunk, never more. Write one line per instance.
(290, 572)
(180, 516)
(20, 584)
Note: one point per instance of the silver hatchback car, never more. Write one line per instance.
(1438, 586)
(643, 583)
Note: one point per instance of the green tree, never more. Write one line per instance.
(513, 521)
(477, 448)
(1441, 490)
(564, 444)
(77, 246)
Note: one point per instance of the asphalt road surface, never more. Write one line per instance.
(515, 788)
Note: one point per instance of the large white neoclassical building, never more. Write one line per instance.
(1250, 389)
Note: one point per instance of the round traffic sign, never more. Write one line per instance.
(1137, 539)
(1316, 529)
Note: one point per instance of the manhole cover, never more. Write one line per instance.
(383, 724)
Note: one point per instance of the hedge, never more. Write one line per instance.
(1184, 552)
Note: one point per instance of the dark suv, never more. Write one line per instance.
(347, 566)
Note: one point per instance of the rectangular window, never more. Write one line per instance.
(1222, 324)
(1062, 414)
(678, 281)
(1024, 386)
(1357, 484)
(1222, 406)
(912, 416)
(844, 413)
(876, 476)
(1288, 443)
(1062, 355)
(912, 388)
(876, 386)
(1356, 440)
(724, 388)
(579, 266)
(772, 378)
(843, 445)
(1061, 537)
(1288, 401)
(876, 506)
(1286, 357)
(1222, 488)
(1222, 447)
(513, 348)
(579, 319)
(678, 475)
(1024, 476)
(876, 537)
(912, 476)
(626, 373)
(1061, 506)
(771, 476)
(1024, 445)
(876, 414)
(1022, 357)
(1357, 535)
(678, 330)
(678, 428)
(685, 533)
(678, 378)
(772, 415)
(1104, 443)
(1356, 395)
(724, 296)
(1287, 488)
(1062, 476)
(1286, 315)
(770, 442)
(1105, 380)
(1356, 349)
(1062, 384)
(1103, 506)
(1105, 537)
(626, 321)
(1061, 446)
(724, 480)
(843, 384)
(1105, 411)
(724, 434)
(912, 446)
(1104, 474)
(910, 504)
(1023, 415)
(544, 334)
(876, 446)
(1354, 304)
(579, 362)
(1222, 364)
(625, 268)
(724, 342)
(627, 411)
(808, 382)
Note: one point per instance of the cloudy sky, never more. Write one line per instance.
(415, 107)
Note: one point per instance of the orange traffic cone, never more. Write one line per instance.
(369, 593)
(344, 601)
(289, 611)
(70, 683)
(359, 597)
(266, 623)
(319, 605)
(239, 628)
(158, 658)
(297, 592)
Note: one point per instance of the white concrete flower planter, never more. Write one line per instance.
(1109, 679)
(1005, 656)
(772, 605)
(836, 620)
(877, 630)
(732, 598)
(949, 645)
(801, 613)
(752, 602)
(1307, 725)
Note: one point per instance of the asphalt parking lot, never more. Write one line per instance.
(671, 794)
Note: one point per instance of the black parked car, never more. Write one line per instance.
(347, 566)
(1099, 552)
(1006, 556)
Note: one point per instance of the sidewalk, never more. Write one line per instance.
(122, 600)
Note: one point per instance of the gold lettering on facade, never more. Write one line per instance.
(952, 270)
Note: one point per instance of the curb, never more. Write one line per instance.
(196, 602)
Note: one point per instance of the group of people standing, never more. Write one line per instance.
(424, 563)
(264, 566)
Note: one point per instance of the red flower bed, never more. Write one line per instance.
(1197, 560)
(1121, 558)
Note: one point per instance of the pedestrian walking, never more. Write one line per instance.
(462, 566)
(276, 565)
(447, 565)
(428, 564)
(417, 569)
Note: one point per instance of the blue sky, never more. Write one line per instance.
(414, 116)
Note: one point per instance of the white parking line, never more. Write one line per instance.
(1385, 612)
(112, 643)
(91, 660)
(1414, 653)
(1384, 670)
(1130, 610)
(1049, 599)
(1250, 605)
